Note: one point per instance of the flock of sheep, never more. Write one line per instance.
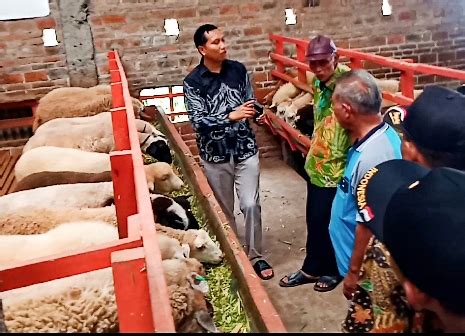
(295, 106)
(63, 201)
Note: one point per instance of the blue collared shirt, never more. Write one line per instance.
(381, 144)
(210, 97)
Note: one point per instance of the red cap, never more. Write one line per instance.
(320, 47)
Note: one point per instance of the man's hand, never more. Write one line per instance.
(350, 284)
(261, 119)
(244, 111)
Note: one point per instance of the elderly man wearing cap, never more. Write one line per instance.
(433, 136)
(324, 165)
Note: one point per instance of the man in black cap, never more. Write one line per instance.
(417, 213)
(324, 165)
(433, 136)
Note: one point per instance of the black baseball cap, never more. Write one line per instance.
(419, 214)
(436, 120)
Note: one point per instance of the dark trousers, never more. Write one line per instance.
(320, 259)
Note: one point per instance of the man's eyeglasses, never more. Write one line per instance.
(320, 63)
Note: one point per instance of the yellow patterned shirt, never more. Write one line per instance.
(326, 158)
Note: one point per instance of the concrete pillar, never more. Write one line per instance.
(78, 42)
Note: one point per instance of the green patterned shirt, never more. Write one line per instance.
(326, 158)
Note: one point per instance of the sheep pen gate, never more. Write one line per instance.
(140, 288)
(299, 142)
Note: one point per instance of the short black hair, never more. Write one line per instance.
(199, 36)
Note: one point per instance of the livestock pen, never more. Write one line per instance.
(356, 59)
(140, 287)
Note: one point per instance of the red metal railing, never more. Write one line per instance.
(140, 288)
(357, 59)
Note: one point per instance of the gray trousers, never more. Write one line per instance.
(245, 176)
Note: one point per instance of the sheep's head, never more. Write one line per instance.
(161, 178)
(183, 200)
(138, 107)
(159, 150)
(204, 249)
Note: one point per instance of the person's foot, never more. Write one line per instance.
(263, 269)
(327, 283)
(296, 279)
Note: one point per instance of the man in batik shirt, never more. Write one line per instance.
(324, 165)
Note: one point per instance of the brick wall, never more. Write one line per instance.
(431, 31)
(27, 69)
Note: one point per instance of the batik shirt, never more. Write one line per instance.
(379, 304)
(209, 98)
(326, 158)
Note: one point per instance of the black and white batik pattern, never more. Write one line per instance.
(208, 107)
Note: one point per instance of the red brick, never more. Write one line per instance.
(229, 9)
(46, 23)
(440, 35)
(396, 39)
(260, 76)
(12, 78)
(186, 13)
(408, 15)
(446, 56)
(250, 9)
(109, 19)
(253, 31)
(95, 20)
(169, 48)
(36, 76)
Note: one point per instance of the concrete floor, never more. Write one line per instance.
(282, 194)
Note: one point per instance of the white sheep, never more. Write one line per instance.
(298, 103)
(40, 220)
(44, 179)
(201, 245)
(79, 195)
(77, 102)
(63, 238)
(101, 118)
(96, 135)
(286, 91)
(57, 159)
(81, 303)
(281, 108)
(86, 303)
(178, 271)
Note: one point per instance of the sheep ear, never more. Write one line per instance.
(198, 242)
(186, 250)
(205, 321)
(198, 282)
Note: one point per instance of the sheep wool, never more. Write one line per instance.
(286, 91)
(63, 238)
(48, 158)
(79, 195)
(41, 220)
(81, 303)
(201, 245)
(71, 102)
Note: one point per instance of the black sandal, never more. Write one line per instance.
(330, 281)
(296, 279)
(260, 266)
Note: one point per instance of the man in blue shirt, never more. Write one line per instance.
(357, 103)
(220, 103)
